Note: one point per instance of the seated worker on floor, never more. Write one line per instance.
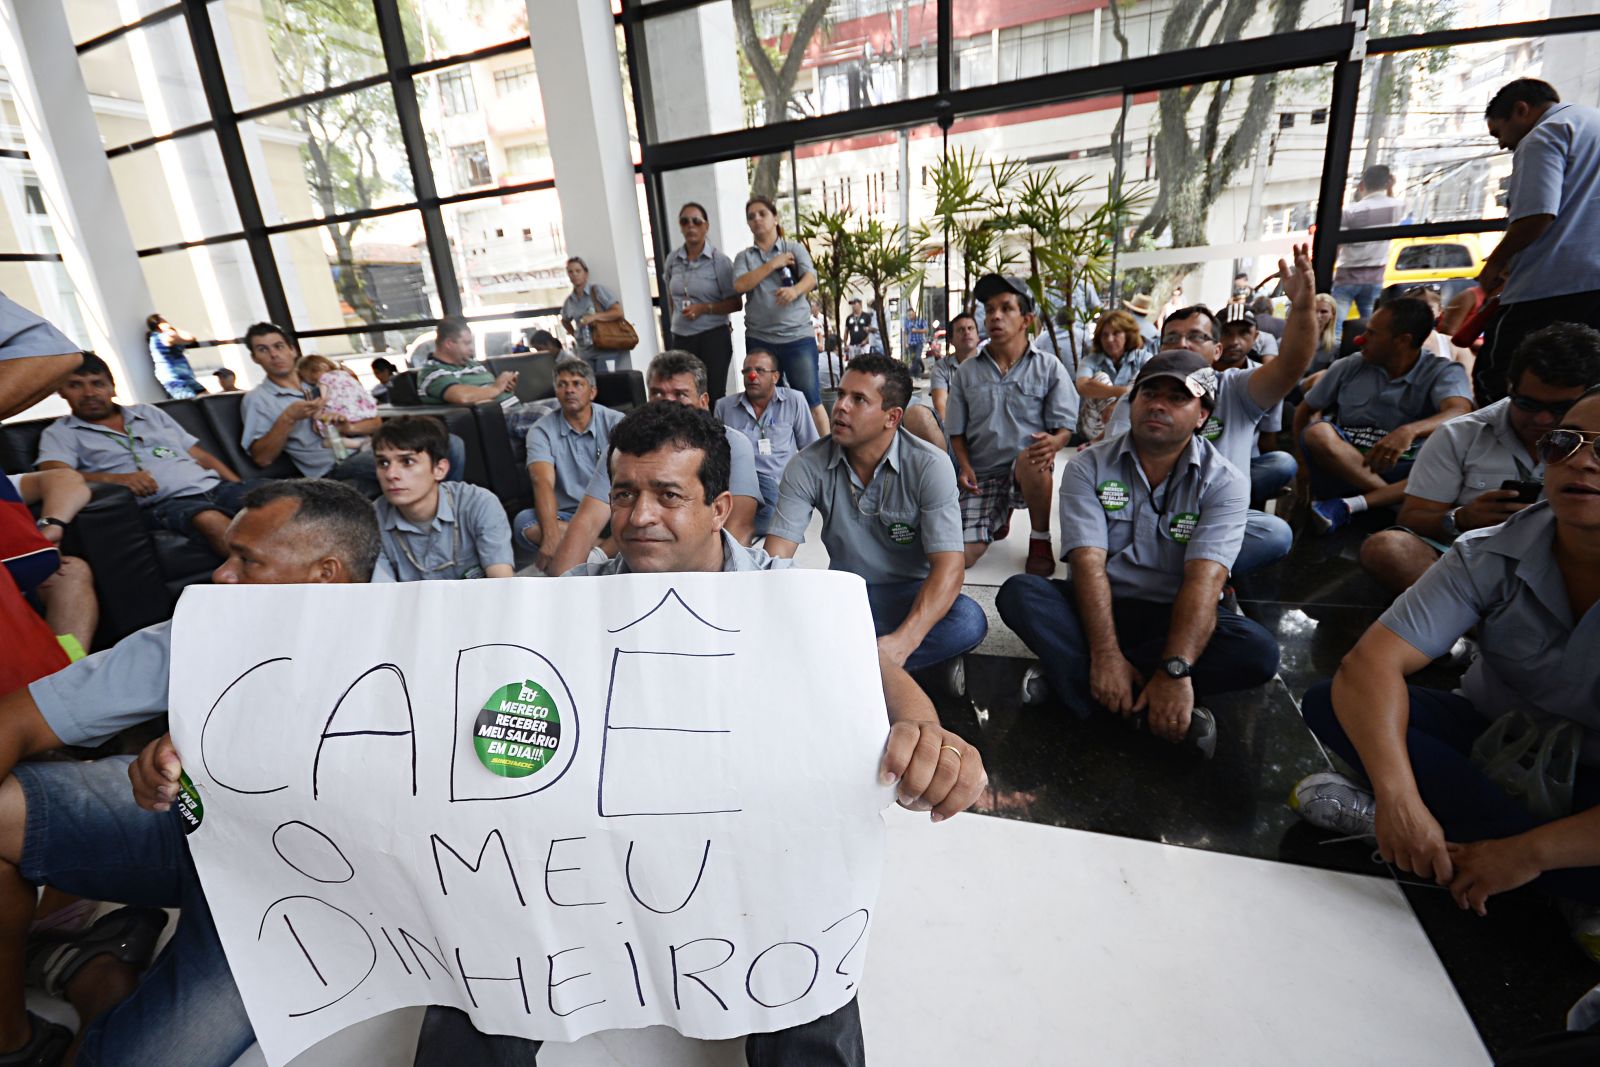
(77, 827)
(1249, 399)
(670, 503)
(1011, 409)
(963, 338)
(889, 514)
(433, 530)
(1360, 425)
(1480, 469)
(179, 485)
(1436, 766)
(776, 420)
(564, 448)
(679, 378)
(1151, 520)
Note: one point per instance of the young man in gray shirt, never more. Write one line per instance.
(433, 530)
(889, 514)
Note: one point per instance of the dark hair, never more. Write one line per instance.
(579, 261)
(1529, 91)
(574, 365)
(450, 327)
(261, 329)
(153, 322)
(703, 212)
(1261, 305)
(661, 423)
(1376, 176)
(896, 388)
(1565, 355)
(761, 350)
(1189, 312)
(675, 361)
(543, 339)
(1411, 318)
(958, 317)
(383, 364)
(228, 371)
(93, 364)
(333, 515)
(770, 204)
(413, 433)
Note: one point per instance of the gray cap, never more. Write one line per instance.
(995, 284)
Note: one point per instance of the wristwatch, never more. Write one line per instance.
(48, 521)
(1177, 667)
(1451, 530)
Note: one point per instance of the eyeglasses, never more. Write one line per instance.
(1194, 337)
(691, 222)
(1558, 446)
(1557, 408)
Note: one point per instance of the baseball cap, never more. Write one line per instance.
(1190, 368)
(995, 284)
(1238, 313)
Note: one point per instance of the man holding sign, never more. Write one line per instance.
(74, 826)
(669, 504)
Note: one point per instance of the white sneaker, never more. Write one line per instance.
(1330, 801)
(1035, 688)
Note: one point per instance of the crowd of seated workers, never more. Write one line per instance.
(1159, 457)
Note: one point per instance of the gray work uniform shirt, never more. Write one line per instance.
(1470, 455)
(735, 557)
(305, 447)
(764, 318)
(782, 430)
(998, 413)
(1234, 425)
(1532, 654)
(574, 455)
(1197, 512)
(940, 371)
(705, 279)
(742, 479)
(153, 442)
(594, 298)
(90, 701)
(24, 334)
(1362, 394)
(885, 530)
(468, 534)
(1555, 170)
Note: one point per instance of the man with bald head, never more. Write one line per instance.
(76, 826)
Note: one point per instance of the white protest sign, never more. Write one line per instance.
(561, 806)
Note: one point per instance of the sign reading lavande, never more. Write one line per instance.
(561, 806)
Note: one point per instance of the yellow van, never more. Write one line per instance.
(1421, 260)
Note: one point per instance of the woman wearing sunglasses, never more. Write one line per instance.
(1530, 586)
(700, 287)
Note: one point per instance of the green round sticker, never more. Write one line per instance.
(189, 807)
(1113, 495)
(518, 731)
(1212, 429)
(901, 534)
(1182, 526)
(163, 452)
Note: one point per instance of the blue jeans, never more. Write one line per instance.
(176, 513)
(1440, 731)
(86, 836)
(797, 360)
(962, 629)
(448, 1039)
(768, 484)
(1267, 539)
(1044, 613)
(1270, 472)
(1364, 296)
(528, 517)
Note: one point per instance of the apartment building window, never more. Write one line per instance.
(456, 95)
(513, 79)
(471, 164)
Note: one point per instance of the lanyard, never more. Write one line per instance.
(455, 543)
(126, 439)
(1169, 484)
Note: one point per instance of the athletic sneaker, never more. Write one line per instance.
(1583, 922)
(46, 1045)
(954, 674)
(1202, 735)
(1035, 689)
(1041, 557)
(1329, 515)
(1330, 801)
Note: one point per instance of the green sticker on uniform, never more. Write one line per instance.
(1212, 429)
(1182, 525)
(518, 730)
(190, 809)
(1113, 495)
(163, 452)
(901, 534)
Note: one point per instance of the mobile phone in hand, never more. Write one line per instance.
(1527, 490)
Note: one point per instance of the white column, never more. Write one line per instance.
(580, 78)
(64, 145)
(695, 85)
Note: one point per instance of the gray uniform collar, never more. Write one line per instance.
(735, 557)
(891, 458)
(130, 413)
(1190, 458)
(445, 515)
(1527, 539)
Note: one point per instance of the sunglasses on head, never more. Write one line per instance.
(1558, 446)
(1557, 408)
